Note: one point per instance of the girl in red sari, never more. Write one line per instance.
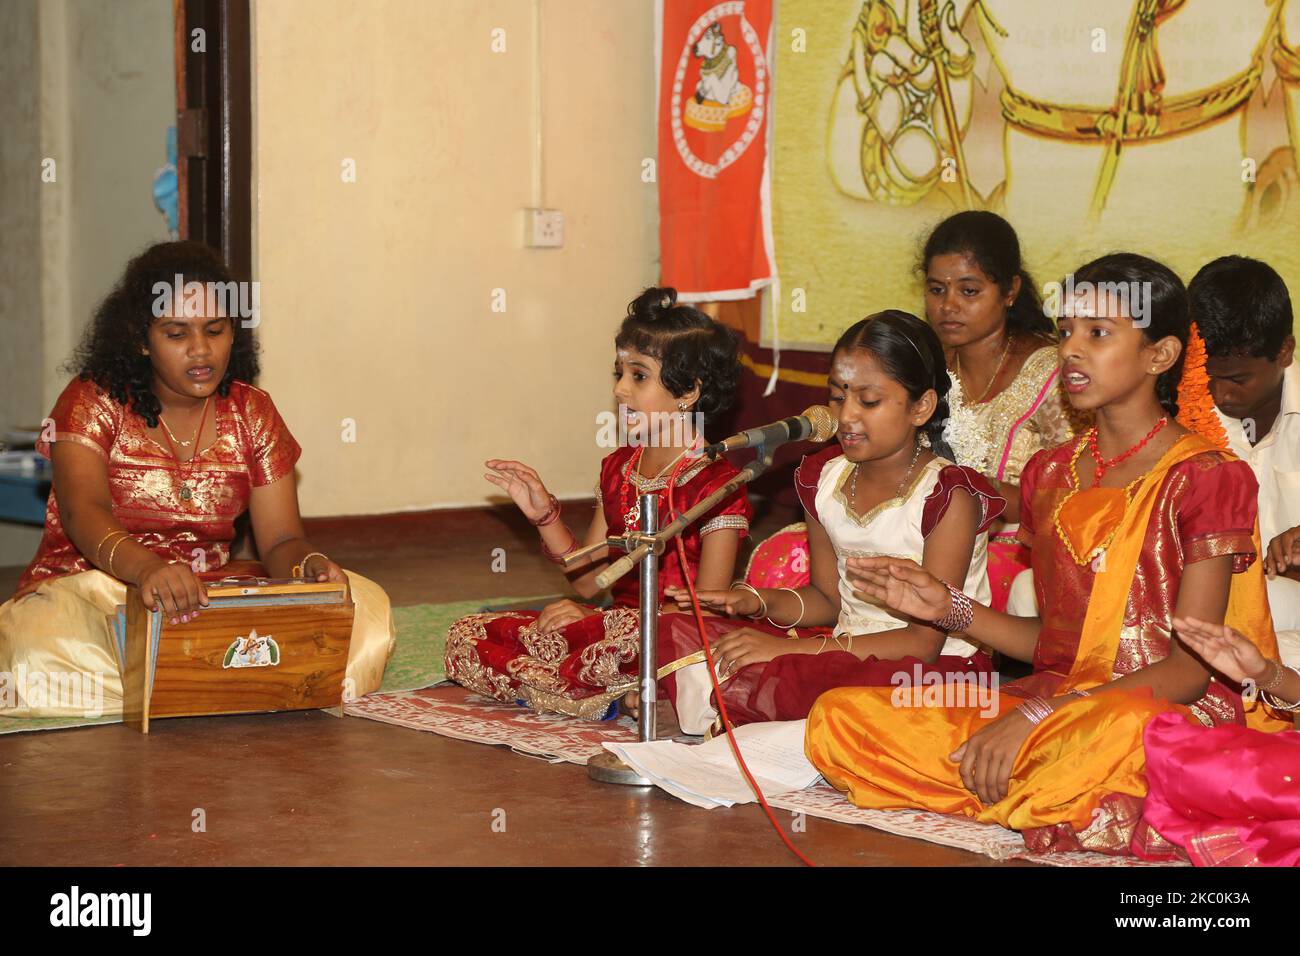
(882, 489)
(1131, 525)
(674, 369)
(1225, 796)
(159, 445)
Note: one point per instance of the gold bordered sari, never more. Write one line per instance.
(1079, 779)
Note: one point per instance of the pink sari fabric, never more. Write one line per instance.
(1227, 795)
(1007, 558)
(782, 561)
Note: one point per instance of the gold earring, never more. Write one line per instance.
(681, 406)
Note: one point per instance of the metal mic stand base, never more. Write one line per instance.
(607, 768)
(604, 766)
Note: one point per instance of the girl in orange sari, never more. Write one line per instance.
(1132, 523)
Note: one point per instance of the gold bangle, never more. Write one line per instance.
(1274, 679)
(112, 551)
(802, 611)
(300, 569)
(110, 534)
(746, 586)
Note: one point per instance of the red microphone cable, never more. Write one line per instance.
(717, 690)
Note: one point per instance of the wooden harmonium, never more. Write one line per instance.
(260, 645)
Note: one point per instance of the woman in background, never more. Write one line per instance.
(1006, 401)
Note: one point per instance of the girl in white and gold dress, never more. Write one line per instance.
(882, 489)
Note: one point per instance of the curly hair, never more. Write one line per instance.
(690, 347)
(110, 351)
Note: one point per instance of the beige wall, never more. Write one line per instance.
(376, 295)
(90, 84)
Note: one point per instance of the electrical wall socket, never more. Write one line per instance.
(543, 228)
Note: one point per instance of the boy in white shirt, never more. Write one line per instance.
(1243, 311)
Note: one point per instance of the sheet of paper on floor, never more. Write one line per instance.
(707, 774)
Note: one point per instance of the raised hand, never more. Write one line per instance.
(737, 602)
(1224, 649)
(900, 584)
(522, 484)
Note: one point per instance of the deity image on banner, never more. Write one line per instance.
(1156, 124)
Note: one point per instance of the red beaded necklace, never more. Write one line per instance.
(631, 506)
(1103, 465)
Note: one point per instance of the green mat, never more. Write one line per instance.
(416, 662)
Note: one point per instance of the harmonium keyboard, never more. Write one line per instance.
(260, 645)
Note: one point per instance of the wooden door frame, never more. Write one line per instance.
(214, 130)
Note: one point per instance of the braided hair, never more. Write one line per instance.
(910, 353)
(1168, 313)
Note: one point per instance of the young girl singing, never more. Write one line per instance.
(881, 490)
(674, 370)
(159, 445)
(1130, 524)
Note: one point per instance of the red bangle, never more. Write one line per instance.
(551, 516)
(559, 558)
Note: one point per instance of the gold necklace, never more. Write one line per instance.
(660, 472)
(853, 487)
(1006, 350)
(1075, 487)
(172, 435)
(632, 517)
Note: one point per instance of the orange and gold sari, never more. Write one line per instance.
(1079, 779)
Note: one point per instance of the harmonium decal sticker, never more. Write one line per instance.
(260, 645)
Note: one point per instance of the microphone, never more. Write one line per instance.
(815, 424)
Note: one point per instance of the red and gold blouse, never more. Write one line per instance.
(253, 447)
(1205, 509)
(696, 482)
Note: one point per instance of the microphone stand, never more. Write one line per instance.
(644, 547)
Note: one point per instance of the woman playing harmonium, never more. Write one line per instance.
(159, 444)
